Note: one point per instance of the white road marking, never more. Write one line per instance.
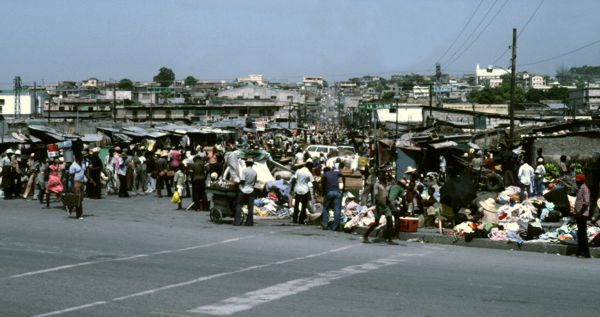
(137, 256)
(58, 312)
(251, 299)
(196, 280)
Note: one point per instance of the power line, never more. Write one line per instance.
(561, 55)
(480, 33)
(461, 31)
(521, 31)
(472, 32)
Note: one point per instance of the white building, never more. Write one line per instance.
(90, 83)
(262, 93)
(313, 80)
(484, 75)
(26, 101)
(251, 79)
(537, 82)
(420, 92)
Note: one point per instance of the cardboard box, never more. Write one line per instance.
(409, 224)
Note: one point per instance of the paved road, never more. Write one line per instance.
(139, 257)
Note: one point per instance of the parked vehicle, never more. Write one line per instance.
(316, 150)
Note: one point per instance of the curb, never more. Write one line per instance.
(432, 236)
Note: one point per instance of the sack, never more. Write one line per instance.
(176, 199)
(170, 173)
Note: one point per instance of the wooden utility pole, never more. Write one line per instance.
(430, 103)
(35, 103)
(114, 103)
(511, 109)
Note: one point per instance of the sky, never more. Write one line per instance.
(58, 40)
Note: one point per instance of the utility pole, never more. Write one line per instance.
(49, 107)
(291, 98)
(431, 102)
(114, 103)
(17, 97)
(511, 110)
(35, 103)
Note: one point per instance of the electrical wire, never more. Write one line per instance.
(472, 32)
(561, 55)
(521, 30)
(461, 31)
(480, 33)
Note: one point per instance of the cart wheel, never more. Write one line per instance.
(215, 215)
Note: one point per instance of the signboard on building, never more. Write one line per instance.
(375, 106)
(261, 124)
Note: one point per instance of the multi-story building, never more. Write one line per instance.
(313, 80)
(23, 104)
(586, 99)
(251, 79)
(490, 75)
(90, 83)
(537, 82)
(420, 92)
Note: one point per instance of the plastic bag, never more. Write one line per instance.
(176, 199)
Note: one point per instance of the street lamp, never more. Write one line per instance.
(396, 98)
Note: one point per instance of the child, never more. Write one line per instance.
(180, 179)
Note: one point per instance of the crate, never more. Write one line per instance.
(353, 182)
(409, 224)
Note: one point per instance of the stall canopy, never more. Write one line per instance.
(48, 134)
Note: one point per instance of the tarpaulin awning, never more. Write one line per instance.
(442, 145)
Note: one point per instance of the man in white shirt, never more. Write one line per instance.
(525, 175)
(247, 182)
(77, 171)
(302, 181)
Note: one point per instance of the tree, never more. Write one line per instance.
(558, 93)
(190, 81)
(125, 84)
(535, 95)
(388, 95)
(165, 77)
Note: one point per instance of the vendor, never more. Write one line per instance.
(380, 193)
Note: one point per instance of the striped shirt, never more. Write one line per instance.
(583, 198)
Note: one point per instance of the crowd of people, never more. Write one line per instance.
(182, 171)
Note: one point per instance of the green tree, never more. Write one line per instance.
(388, 95)
(165, 77)
(190, 81)
(164, 96)
(558, 93)
(125, 84)
(535, 95)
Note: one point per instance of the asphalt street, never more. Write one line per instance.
(140, 257)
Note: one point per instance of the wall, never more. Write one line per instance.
(577, 145)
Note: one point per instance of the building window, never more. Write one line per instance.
(1, 102)
(257, 97)
(134, 114)
(273, 97)
(168, 115)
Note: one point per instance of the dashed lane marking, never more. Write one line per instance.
(190, 282)
(137, 256)
(251, 299)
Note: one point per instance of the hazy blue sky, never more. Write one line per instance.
(53, 40)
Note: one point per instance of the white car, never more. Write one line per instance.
(315, 150)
